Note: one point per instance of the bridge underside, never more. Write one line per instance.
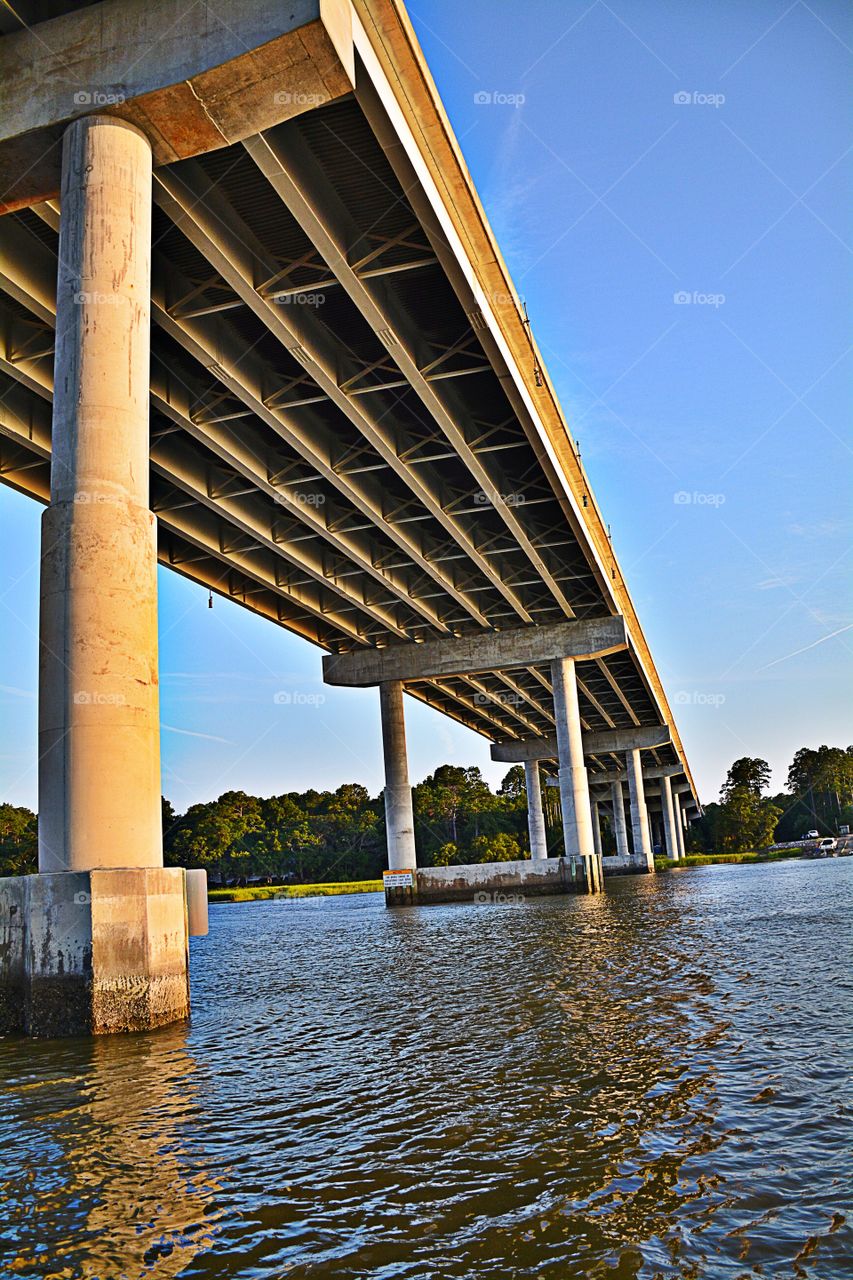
(351, 431)
(332, 443)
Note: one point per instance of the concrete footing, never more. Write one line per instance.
(93, 952)
(485, 882)
(626, 867)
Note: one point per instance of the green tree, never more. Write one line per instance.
(749, 772)
(746, 821)
(445, 855)
(822, 780)
(18, 841)
(498, 848)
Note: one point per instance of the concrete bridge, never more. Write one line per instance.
(255, 326)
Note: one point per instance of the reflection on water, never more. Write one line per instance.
(646, 1084)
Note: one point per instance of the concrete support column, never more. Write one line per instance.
(574, 784)
(620, 829)
(101, 932)
(671, 820)
(643, 855)
(596, 827)
(399, 817)
(99, 735)
(680, 822)
(535, 812)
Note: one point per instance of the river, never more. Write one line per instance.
(650, 1083)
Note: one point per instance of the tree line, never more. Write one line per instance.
(310, 836)
(819, 798)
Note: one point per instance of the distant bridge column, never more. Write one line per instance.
(671, 819)
(680, 822)
(639, 816)
(399, 816)
(104, 937)
(596, 827)
(620, 829)
(574, 783)
(535, 812)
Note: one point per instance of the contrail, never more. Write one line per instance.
(806, 646)
(188, 733)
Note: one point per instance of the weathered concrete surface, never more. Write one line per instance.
(574, 786)
(600, 742)
(197, 913)
(495, 882)
(12, 911)
(617, 866)
(98, 678)
(535, 813)
(95, 952)
(466, 655)
(673, 849)
(620, 829)
(399, 815)
(191, 78)
(643, 854)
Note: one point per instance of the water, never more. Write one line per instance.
(646, 1084)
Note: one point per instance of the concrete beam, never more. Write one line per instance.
(191, 84)
(465, 655)
(651, 771)
(646, 738)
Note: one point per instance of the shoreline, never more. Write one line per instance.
(273, 892)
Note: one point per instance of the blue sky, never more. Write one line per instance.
(714, 429)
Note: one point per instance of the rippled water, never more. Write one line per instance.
(650, 1083)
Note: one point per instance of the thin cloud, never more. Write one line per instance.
(806, 647)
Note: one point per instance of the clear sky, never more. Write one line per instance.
(714, 430)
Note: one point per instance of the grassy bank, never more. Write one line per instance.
(709, 859)
(261, 893)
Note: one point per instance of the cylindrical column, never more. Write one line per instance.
(99, 742)
(535, 812)
(399, 817)
(680, 819)
(671, 823)
(574, 784)
(596, 828)
(639, 817)
(619, 828)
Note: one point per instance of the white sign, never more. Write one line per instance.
(399, 879)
